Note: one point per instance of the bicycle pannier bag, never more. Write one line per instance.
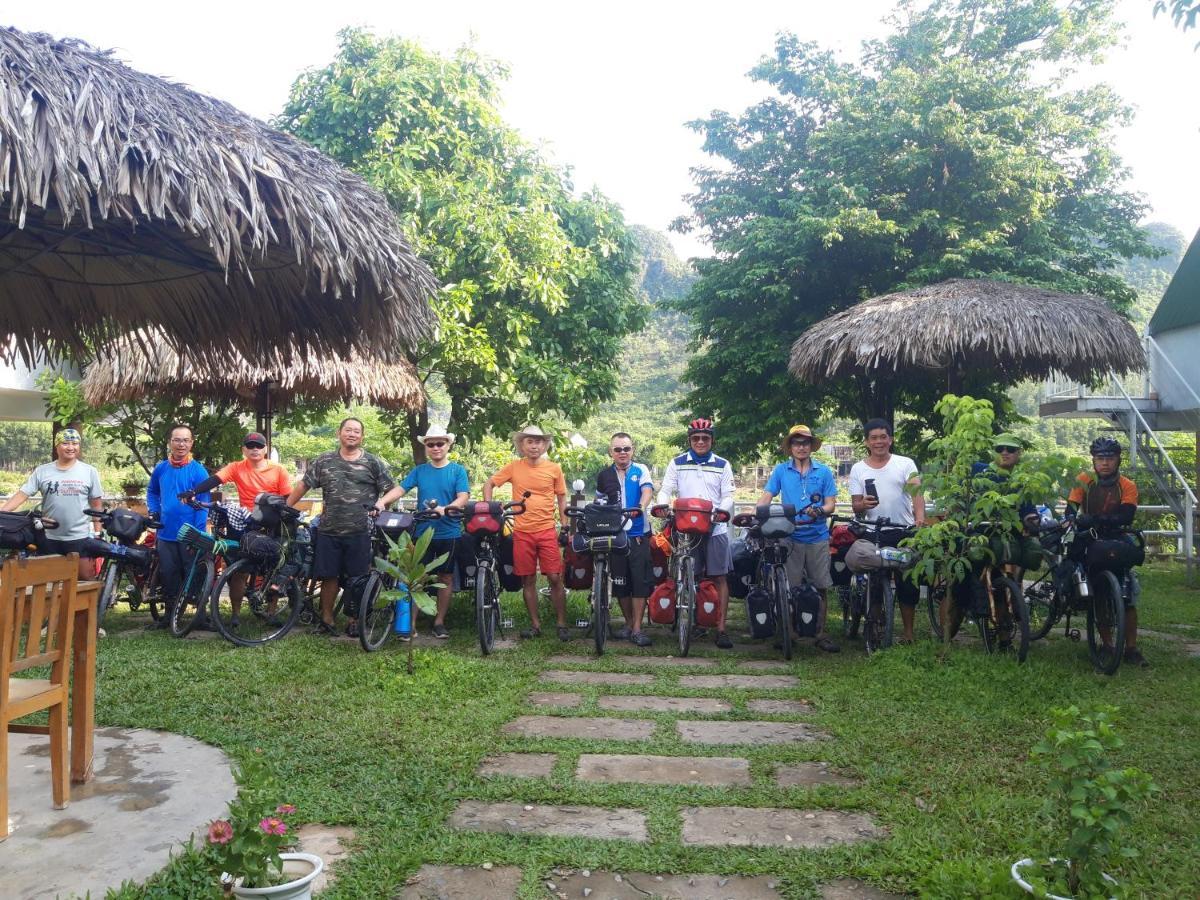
(760, 614)
(126, 525)
(603, 518)
(660, 563)
(776, 520)
(509, 580)
(577, 566)
(260, 546)
(745, 564)
(692, 515)
(1114, 555)
(707, 605)
(352, 595)
(863, 556)
(484, 517)
(17, 532)
(393, 524)
(662, 603)
(806, 606)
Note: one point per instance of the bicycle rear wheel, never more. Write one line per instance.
(1019, 614)
(187, 610)
(1043, 600)
(851, 600)
(685, 603)
(268, 610)
(374, 622)
(487, 609)
(600, 605)
(881, 613)
(150, 590)
(783, 608)
(109, 587)
(1105, 622)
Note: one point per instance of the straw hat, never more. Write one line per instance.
(529, 431)
(803, 431)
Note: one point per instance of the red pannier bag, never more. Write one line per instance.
(707, 605)
(660, 563)
(661, 604)
(577, 569)
(484, 517)
(693, 515)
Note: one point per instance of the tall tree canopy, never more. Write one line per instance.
(952, 148)
(539, 285)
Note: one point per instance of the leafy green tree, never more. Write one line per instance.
(956, 147)
(538, 284)
(1184, 13)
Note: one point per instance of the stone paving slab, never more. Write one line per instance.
(518, 765)
(761, 682)
(810, 773)
(853, 889)
(563, 677)
(639, 886)
(666, 704)
(718, 732)
(764, 665)
(462, 883)
(554, 821)
(582, 727)
(779, 707)
(738, 826)
(331, 843)
(632, 659)
(705, 770)
(565, 699)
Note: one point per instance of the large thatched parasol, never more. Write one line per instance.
(1009, 331)
(127, 201)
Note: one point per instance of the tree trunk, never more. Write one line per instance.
(418, 424)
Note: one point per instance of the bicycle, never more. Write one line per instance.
(878, 569)
(130, 570)
(486, 520)
(601, 534)
(691, 520)
(210, 551)
(375, 623)
(271, 560)
(850, 588)
(24, 533)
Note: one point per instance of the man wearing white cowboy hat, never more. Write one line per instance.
(444, 482)
(535, 537)
(798, 481)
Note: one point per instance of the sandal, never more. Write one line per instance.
(531, 633)
(352, 628)
(827, 645)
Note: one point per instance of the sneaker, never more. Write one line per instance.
(324, 628)
(827, 645)
(638, 639)
(723, 641)
(441, 632)
(531, 633)
(623, 634)
(352, 628)
(564, 633)
(157, 626)
(100, 632)
(233, 624)
(1133, 656)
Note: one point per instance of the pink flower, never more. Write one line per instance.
(220, 832)
(285, 809)
(273, 826)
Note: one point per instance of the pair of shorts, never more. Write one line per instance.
(533, 550)
(82, 546)
(632, 575)
(809, 562)
(342, 556)
(456, 551)
(713, 556)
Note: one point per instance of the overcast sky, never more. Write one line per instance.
(606, 88)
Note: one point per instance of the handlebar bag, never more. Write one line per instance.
(661, 604)
(1115, 554)
(125, 525)
(603, 518)
(17, 531)
(484, 517)
(1017, 550)
(393, 524)
(760, 614)
(269, 511)
(776, 520)
(865, 556)
(707, 605)
(693, 515)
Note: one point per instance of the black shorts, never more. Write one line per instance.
(456, 550)
(342, 556)
(632, 575)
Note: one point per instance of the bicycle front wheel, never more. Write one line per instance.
(151, 591)
(487, 609)
(1105, 622)
(783, 609)
(1019, 614)
(108, 591)
(1044, 601)
(600, 605)
(267, 612)
(685, 603)
(374, 622)
(881, 614)
(186, 611)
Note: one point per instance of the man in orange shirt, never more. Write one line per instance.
(535, 537)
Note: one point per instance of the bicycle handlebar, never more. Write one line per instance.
(105, 516)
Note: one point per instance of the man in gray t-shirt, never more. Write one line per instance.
(68, 486)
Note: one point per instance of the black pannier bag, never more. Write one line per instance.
(17, 532)
(1115, 555)
(394, 524)
(745, 567)
(125, 525)
(603, 518)
(806, 607)
(760, 613)
(257, 545)
(509, 580)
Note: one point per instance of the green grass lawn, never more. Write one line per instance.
(941, 746)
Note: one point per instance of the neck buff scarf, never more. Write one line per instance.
(187, 461)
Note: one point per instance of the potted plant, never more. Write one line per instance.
(246, 850)
(1092, 798)
(133, 487)
(409, 573)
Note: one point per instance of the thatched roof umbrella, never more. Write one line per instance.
(1010, 332)
(127, 201)
(142, 365)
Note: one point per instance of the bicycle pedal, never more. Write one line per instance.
(506, 623)
(583, 623)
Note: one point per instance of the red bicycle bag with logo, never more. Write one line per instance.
(484, 517)
(577, 569)
(707, 605)
(693, 515)
(662, 603)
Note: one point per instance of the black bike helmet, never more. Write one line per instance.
(1105, 446)
(700, 426)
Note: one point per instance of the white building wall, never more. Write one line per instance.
(1175, 368)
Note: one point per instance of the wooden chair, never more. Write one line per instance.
(36, 596)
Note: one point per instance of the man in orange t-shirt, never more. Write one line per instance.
(535, 538)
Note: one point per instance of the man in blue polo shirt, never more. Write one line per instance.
(796, 482)
(627, 484)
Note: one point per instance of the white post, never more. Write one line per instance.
(1189, 536)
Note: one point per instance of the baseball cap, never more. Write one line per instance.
(254, 438)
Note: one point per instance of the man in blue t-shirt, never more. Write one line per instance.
(627, 484)
(798, 481)
(445, 483)
(178, 474)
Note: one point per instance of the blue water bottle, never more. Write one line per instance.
(402, 623)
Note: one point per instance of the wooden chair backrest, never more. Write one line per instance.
(36, 596)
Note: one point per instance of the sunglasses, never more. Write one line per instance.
(800, 442)
(249, 446)
(1007, 449)
(622, 449)
(435, 443)
(701, 437)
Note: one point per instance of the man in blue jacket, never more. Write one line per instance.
(176, 474)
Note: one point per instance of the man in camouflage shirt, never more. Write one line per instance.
(351, 480)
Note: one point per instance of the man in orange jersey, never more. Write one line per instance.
(535, 535)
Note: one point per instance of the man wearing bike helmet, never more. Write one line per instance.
(701, 474)
(1105, 501)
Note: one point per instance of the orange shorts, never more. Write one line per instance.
(536, 549)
